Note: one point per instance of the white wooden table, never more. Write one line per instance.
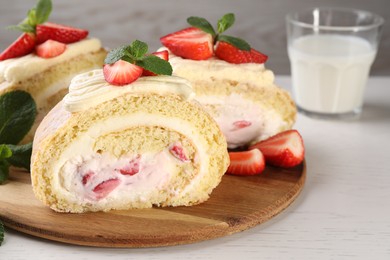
(342, 213)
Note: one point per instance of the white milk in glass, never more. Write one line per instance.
(330, 72)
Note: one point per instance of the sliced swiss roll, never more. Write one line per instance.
(44, 59)
(230, 81)
(139, 145)
(242, 98)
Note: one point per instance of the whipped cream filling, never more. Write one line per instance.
(240, 120)
(95, 177)
(90, 89)
(17, 69)
(216, 69)
(83, 147)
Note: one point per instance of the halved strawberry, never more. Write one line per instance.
(60, 33)
(22, 46)
(161, 54)
(246, 163)
(285, 149)
(227, 52)
(190, 43)
(121, 72)
(50, 49)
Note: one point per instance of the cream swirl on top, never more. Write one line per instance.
(90, 89)
(216, 69)
(17, 69)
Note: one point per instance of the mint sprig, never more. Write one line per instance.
(37, 15)
(17, 115)
(224, 23)
(136, 53)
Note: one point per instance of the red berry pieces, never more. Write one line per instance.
(190, 43)
(231, 54)
(161, 54)
(22, 46)
(241, 124)
(132, 168)
(87, 177)
(246, 163)
(106, 187)
(121, 72)
(60, 33)
(285, 149)
(178, 152)
(50, 49)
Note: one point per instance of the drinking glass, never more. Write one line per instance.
(331, 51)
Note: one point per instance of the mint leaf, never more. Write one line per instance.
(1, 232)
(115, 54)
(237, 42)
(35, 16)
(202, 24)
(225, 22)
(43, 11)
(17, 115)
(31, 18)
(20, 155)
(155, 65)
(138, 49)
(22, 27)
(4, 171)
(5, 152)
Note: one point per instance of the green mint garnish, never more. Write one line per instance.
(202, 24)
(21, 155)
(136, 53)
(37, 15)
(224, 23)
(239, 43)
(1, 233)
(17, 115)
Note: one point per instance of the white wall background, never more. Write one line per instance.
(260, 22)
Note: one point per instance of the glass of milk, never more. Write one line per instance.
(331, 51)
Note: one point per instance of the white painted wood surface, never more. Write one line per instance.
(260, 22)
(342, 213)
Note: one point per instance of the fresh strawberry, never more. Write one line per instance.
(161, 54)
(22, 46)
(60, 33)
(121, 72)
(285, 149)
(246, 163)
(190, 43)
(178, 151)
(50, 49)
(231, 54)
(106, 187)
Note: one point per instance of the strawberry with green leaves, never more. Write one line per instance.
(126, 64)
(199, 41)
(36, 31)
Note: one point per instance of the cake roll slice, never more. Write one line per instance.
(140, 145)
(47, 80)
(242, 98)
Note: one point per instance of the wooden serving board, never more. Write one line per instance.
(238, 203)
